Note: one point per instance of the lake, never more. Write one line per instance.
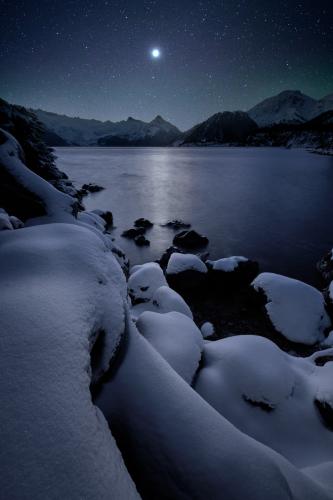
(272, 205)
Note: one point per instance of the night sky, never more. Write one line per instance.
(94, 59)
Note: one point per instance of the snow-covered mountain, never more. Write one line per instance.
(86, 132)
(290, 106)
(133, 132)
(221, 128)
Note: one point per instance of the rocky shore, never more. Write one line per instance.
(183, 378)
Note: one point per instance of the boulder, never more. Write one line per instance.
(186, 273)
(143, 223)
(132, 233)
(190, 239)
(141, 241)
(106, 215)
(92, 188)
(177, 224)
(295, 309)
(231, 272)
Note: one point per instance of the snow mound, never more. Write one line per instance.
(269, 395)
(177, 446)
(167, 300)
(227, 264)
(296, 310)
(176, 337)
(164, 300)
(180, 262)
(62, 319)
(144, 280)
(207, 329)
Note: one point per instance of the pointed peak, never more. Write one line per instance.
(158, 119)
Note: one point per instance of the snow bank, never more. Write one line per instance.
(180, 262)
(176, 337)
(61, 321)
(269, 395)
(227, 264)
(56, 203)
(177, 446)
(297, 310)
(144, 280)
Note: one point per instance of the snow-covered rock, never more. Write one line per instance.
(164, 300)
(177, 446)
(207, 329)
(5, 222)
(269, 395)
(176, 337)
(180, 262)
(227, 264)
(231, 271)
(144, 280)
(61, 319)
(9, 222)
(296, 310)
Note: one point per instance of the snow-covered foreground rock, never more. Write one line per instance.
(176, 337)
(270, 396)
(296, 310)
(177, 446)
(61, 292)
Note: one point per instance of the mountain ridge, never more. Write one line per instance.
(288, 107)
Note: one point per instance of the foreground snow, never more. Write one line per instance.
(61, 290)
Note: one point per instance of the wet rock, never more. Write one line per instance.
(106, 215)
(190, 239)
(91, 188)
(325, 267)
(134, 232)
(177, 224)
(164, 260)
(141, 241)
(143, 223)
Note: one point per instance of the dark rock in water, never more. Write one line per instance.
(164, 260)
(177, 224)
(106, 215)
(133, 232)
(92, 188)
(143, 223)
(243, 273)
(190, 239)
(141, 241)
(325, 267)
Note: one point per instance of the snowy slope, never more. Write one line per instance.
(290, 106)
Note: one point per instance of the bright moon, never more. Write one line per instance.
(156, 53)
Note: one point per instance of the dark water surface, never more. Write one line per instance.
(272, 205)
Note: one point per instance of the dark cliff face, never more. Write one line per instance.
(227, 127)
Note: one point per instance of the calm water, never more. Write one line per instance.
(272, 205)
